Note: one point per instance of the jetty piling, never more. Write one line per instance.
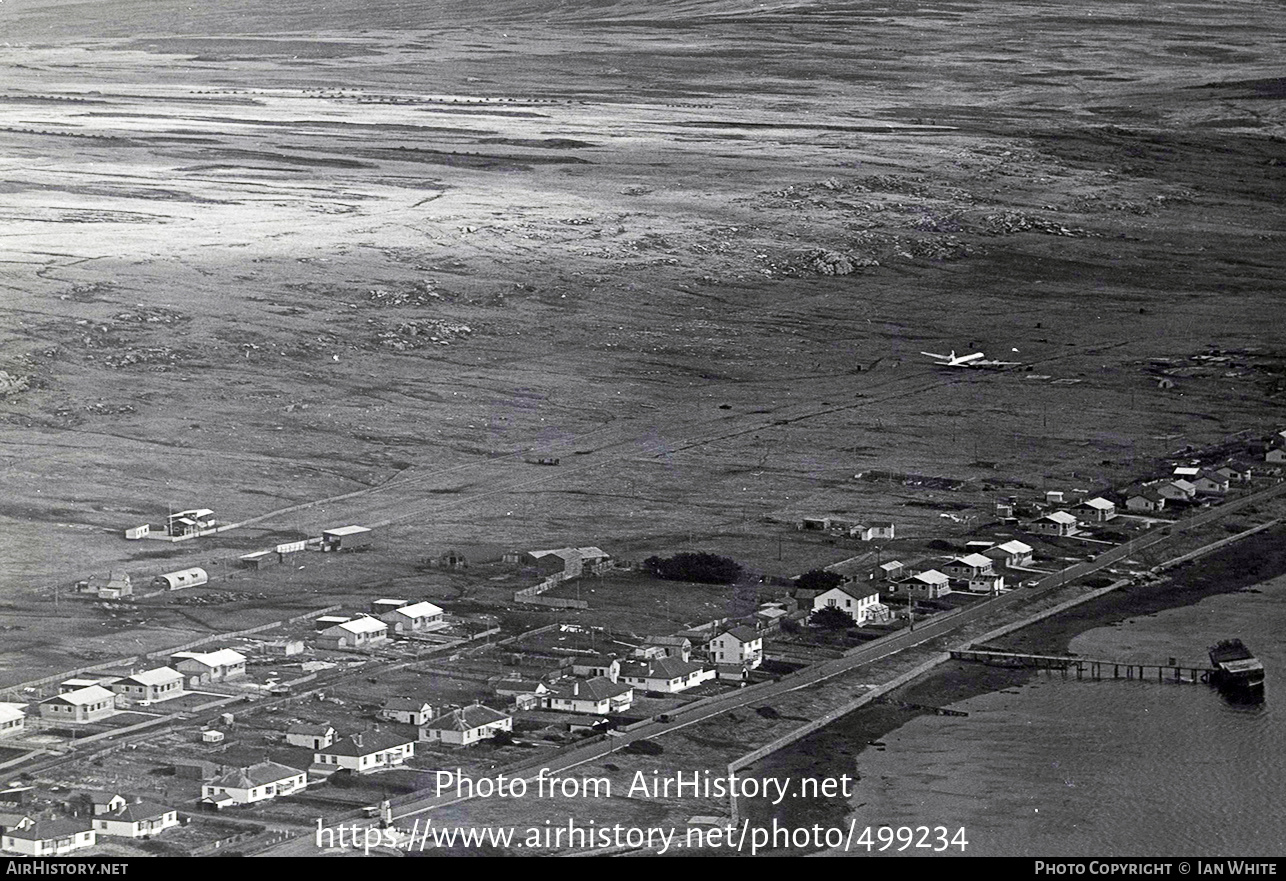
(1091, 668)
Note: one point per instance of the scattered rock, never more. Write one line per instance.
(826, 262)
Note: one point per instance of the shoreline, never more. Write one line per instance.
(834, 750)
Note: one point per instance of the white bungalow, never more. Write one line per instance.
(927, 585)
(82, 705)
(49, 837)
(260, 782)
(1210, 483)
(413, 617)
(359, 633)
(12, 719)
(1177, 490)
(216, 666)
(668, 675)
(1098, 509)
(988, 582)
(1012, 553)
(149, 686)
(407, 710)
(313, 735)
(598, 696)
(366, 752)
(968, 566)
(1055, 523)
(467, 726)
(138, 820)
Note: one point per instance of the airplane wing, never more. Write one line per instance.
(936, 355)
(966, 359)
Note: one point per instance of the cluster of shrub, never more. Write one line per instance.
(699, 566)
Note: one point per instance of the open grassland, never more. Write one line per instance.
(357, 263)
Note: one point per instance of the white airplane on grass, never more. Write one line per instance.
(977, 359)
(952, 360)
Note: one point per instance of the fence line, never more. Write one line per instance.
(134, 659)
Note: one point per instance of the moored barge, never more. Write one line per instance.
(1235, 667)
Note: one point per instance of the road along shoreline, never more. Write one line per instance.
(1258, 555)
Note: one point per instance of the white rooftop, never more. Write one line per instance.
(92, 694)
(932, 576)
(1184, 485)
(345, 530)
(419, 610)
(1186, 471)
(1060, 517)
(1016, 547)
(364, 624)
(975, 560)
(158, 676)
(217, 658)
(1100, 503)
(194, 572)
(891, 565)
(11, 712)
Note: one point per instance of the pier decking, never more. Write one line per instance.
(1091, 668)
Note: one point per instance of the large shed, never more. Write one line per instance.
(183, 578)
(345, 538)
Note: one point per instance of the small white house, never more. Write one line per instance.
(203, 667)
(928, 585)
(366, 752)
(892, 570)
(1210, 483)
(1055, 523)
(880, 531)
(413, 618)
(359, 633)
(859, 602)
(49, 837)
(1276, 456)
(1147, 500)
(1098, 509)
(256, 783)
(968, 566)
(1177, 490)
(82, 705)
(313, 735)
(106, 802)
(988, 582)
(590, 666)
(1012, 553)
(598, 696)
(12, 719)
(467, 726)
(149, 686)
(138, 820)
(407, 710)
(666, 675)
(671, 646)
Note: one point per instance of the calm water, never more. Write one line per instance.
(1070, 768)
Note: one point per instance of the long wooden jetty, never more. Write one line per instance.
(1088, 668)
